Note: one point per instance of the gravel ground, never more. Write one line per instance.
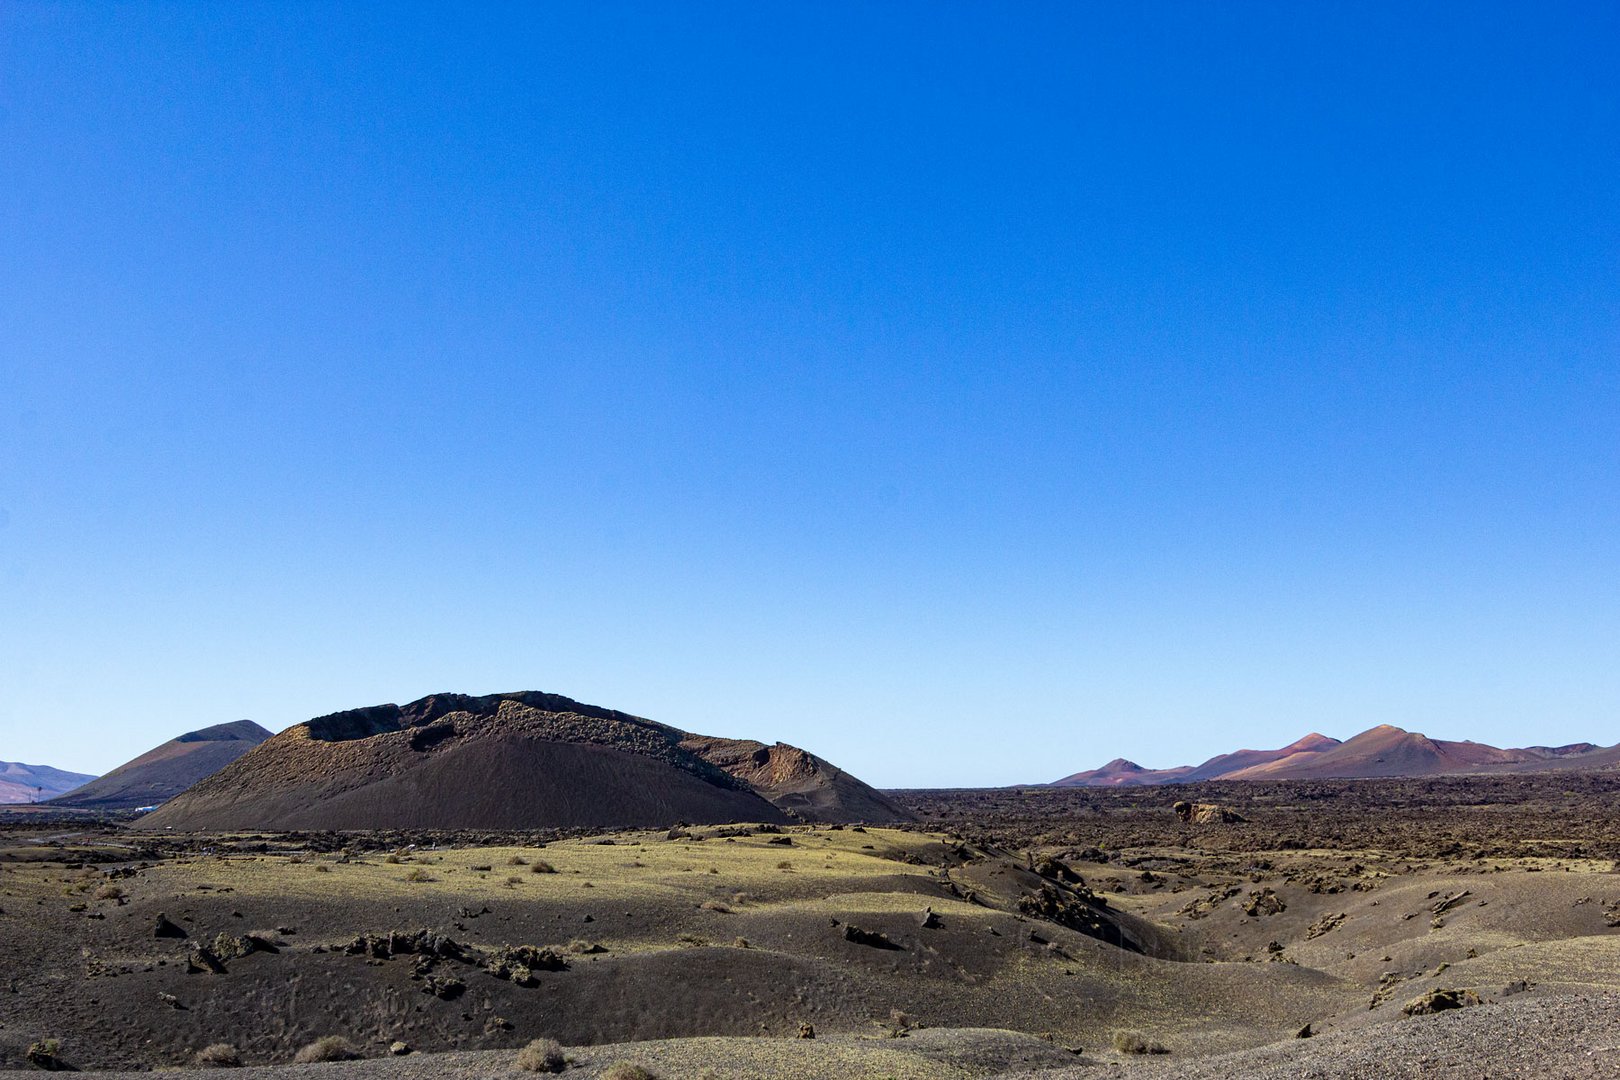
(1563, 1037)
(927, 1054)
(1551, 1037)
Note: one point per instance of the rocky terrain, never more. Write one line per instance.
(168, 769)
(1443, 927)
(1383, 751)
(512, 761)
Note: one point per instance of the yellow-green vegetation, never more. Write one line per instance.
(672, 870)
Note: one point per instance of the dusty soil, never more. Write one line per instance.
(1010, 933)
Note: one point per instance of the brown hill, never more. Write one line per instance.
(501, 761)
(165, 771)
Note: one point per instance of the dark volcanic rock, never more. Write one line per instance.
(871, 938)
(164, 928)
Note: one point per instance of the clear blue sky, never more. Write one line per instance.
(970, 393)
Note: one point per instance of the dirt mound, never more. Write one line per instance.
(500, 761)
(165, 771)
(797, 781)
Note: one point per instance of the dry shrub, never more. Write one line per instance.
(391, 859)
(328, 1048)
(1132, 1042)
(46, 1054)
(217, 1056)
(542, 867)
(628, 1070)
(542, 1055)
(418, 874)
(517, 860)
(109, 892)
(322, 868)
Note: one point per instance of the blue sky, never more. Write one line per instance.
(969, 393)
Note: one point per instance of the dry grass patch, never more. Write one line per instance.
(328, 1048)
(1133, 1042)
(628, 1070)
(542, 1056)
(217, 1056)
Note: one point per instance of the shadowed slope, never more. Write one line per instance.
(165, 771)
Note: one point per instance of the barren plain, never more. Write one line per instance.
(1438, 927)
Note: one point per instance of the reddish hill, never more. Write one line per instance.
(500, 761)
(165, 771)
(1227, 764)
(1381, 751)
(1122, 773)
(1384, 751)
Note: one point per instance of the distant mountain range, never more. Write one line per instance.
(1381, 751)
(21, 783)
(167, 769)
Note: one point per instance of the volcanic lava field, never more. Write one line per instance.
(1443, 927)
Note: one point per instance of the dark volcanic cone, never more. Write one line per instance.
(452, 761)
